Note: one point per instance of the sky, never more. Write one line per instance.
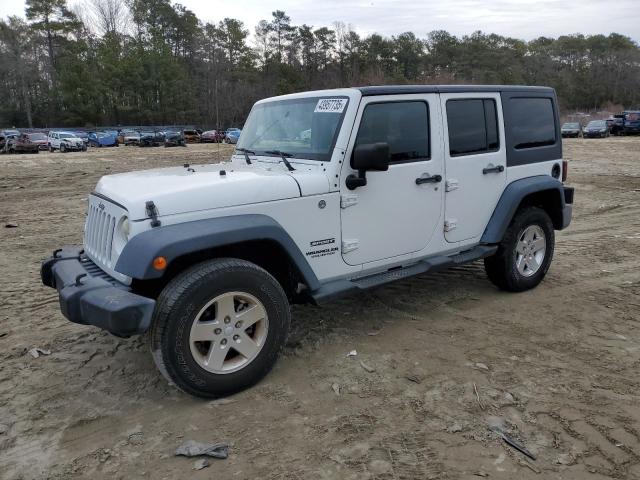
(524, 19)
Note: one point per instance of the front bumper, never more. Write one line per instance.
(74, 147)
(89, 296)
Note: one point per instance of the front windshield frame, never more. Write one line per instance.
(321, 157)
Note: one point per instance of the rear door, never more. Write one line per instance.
(475, 162)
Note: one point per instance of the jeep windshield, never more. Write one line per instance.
(302, 127)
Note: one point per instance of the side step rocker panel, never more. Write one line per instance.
(338, 288)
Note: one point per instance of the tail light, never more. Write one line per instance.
(565, 170)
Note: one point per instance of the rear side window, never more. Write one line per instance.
(532, 122)
(473, 126)
(403, 125)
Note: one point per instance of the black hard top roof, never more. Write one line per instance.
(407, 89)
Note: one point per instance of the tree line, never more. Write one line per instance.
(135, 62)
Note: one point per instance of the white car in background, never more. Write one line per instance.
(65, 141)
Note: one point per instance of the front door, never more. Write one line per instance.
(475, 162)
(398, 210)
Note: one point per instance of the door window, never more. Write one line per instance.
(403, 125)
(473, 126)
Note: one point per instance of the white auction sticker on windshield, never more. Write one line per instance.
(330, 105)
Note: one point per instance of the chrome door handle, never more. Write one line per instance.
(431, 179)
(491, 169)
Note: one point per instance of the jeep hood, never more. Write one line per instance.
(178, 190)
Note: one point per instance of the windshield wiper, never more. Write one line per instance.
(246, 154)
(284, 156)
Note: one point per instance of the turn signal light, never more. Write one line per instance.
(159, 263)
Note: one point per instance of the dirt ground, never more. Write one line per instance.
(445, 356)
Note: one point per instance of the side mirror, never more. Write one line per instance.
(368, 156)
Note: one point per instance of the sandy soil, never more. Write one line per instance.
(556, 368)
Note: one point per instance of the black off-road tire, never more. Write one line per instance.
(177, 307)
(501, 267)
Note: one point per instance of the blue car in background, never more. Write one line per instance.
(103, 139)
(232, 135)
(631, 122)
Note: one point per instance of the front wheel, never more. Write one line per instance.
(218, 327)
(524, 255)
(63, 148)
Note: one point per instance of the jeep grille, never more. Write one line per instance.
(99, 231)
(103, 218)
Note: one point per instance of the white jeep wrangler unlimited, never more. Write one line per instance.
(327, 193)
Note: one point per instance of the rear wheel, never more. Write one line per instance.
(218, 327)
(524, 255)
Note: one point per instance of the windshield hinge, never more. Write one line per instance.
(450, 224)
(350, 245)
(450, 185)
(348, 200)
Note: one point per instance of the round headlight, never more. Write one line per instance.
(125, 228)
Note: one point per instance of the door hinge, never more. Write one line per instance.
(348, 200)
(450, 185)
(350, 245)
(450, 224)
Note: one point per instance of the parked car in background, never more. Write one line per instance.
(131, 137)
(65, 141)
(39, 139)
(9, 132)
(83, 135)
(174, 138)
(631, 122)
(6, 135)
(102, 139)
(191, 136)
(120, 136)
(212, 136)
(616, 124)
(596, 128)
(151, 139)
(21, 144)
(232, 135)
(570, 129)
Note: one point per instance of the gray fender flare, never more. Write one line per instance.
(510, 200)
(174, 241)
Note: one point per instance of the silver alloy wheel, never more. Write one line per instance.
(228, 332)
(530, 250)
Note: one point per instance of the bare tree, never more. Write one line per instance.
(108, 16)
